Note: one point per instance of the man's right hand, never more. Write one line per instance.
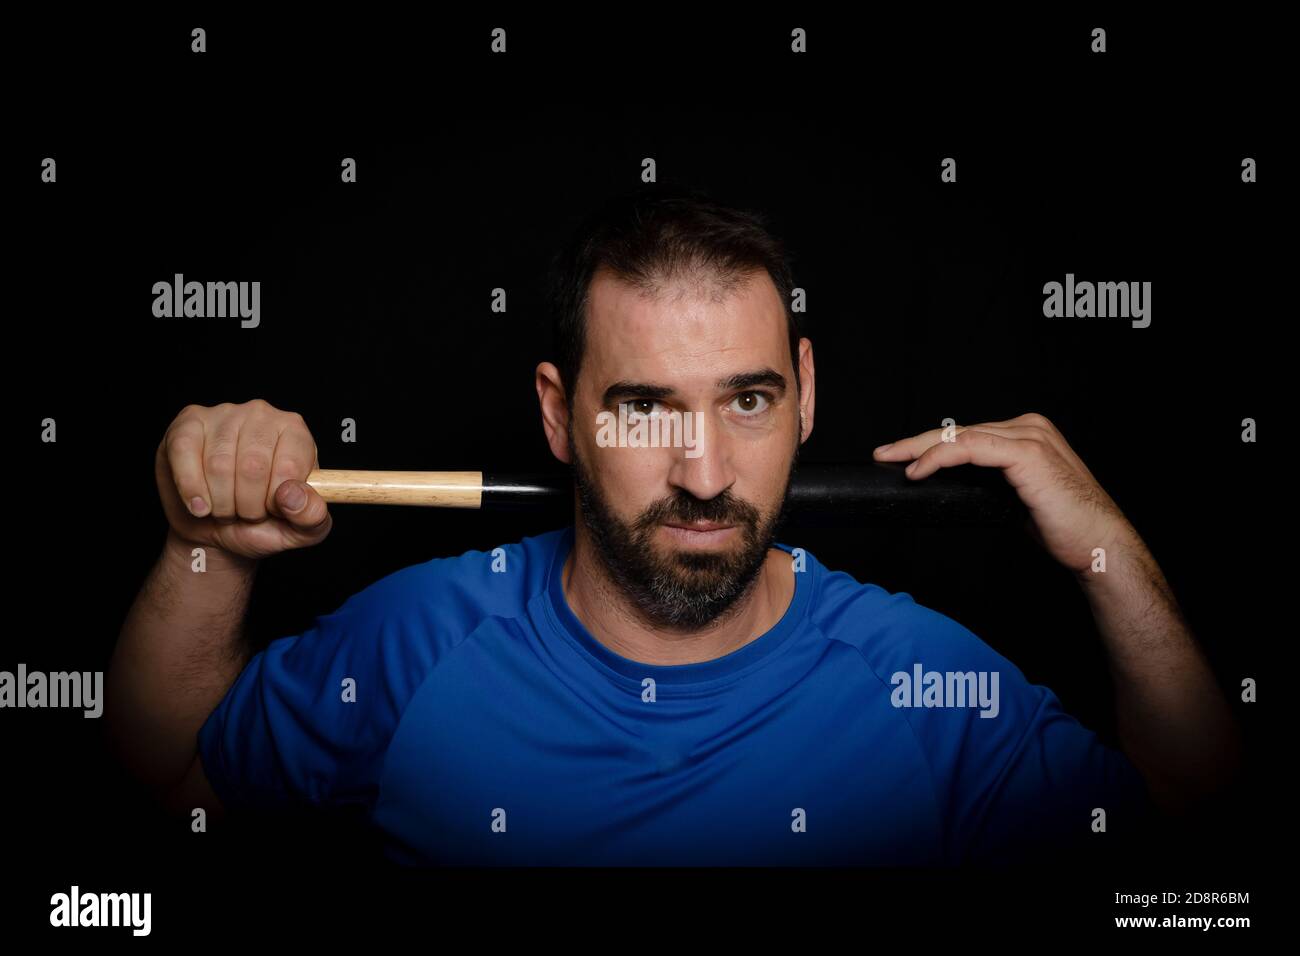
(232, 477)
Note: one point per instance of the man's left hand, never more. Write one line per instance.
(1070, 513)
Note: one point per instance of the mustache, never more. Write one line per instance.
(725, 508)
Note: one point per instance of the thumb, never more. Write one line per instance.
(302, 506)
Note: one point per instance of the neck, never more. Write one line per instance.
(606, 612)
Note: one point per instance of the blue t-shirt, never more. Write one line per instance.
(464, 708)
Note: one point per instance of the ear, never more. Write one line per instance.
(807, 389)
(555, 411)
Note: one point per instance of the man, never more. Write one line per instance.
(661, 683)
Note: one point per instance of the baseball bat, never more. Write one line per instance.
(874, 492)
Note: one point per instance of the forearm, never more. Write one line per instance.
(1173, 720)
(180, 649)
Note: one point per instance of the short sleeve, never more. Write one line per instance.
(310, 717)
(1059, 790)
(1017, 779)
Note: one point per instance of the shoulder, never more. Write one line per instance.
(500, 579)
(409, 619)
(894, 633)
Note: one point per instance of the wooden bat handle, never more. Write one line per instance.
(433, 489)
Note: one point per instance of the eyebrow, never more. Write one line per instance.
(764, 376)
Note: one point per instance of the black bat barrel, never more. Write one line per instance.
(881, 493)
(872, 493)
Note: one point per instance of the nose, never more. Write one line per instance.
(705, 476)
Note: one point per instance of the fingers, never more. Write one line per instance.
(258, 433)
(294, 458)
(907, 449)
(977, 447)
(220, 444)
(234, 476)
(1030, 426)
(183, 448)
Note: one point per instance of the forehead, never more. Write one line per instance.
(685, 327)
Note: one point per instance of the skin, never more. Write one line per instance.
(688, 339)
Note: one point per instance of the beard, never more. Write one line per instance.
(684, 589)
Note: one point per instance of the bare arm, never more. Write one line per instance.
(230, 481)
(180, 649)
(1173, 719)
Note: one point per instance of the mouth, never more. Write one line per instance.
(699, 532)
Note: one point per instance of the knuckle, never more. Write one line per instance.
(1037, 420)
(183, 446)
(220, 464)
(180, 427)
(295, 424)
(288, 466)
(254, 466)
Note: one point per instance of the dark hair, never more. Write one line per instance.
(651, 237)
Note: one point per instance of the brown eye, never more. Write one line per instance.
(634, 407)
(751, 403)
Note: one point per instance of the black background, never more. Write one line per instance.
(925, 301)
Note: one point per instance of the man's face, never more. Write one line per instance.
(686, 351)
